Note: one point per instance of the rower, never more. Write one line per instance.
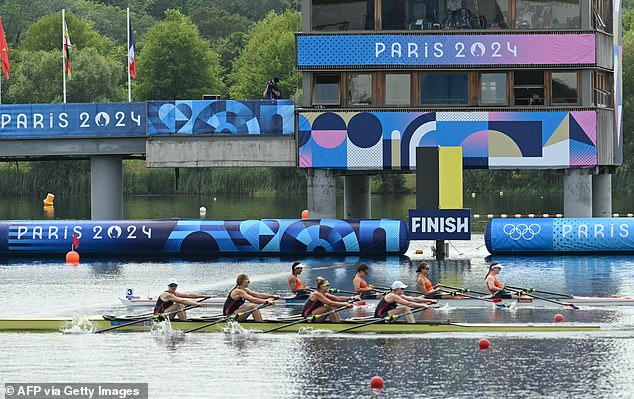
(172, 301)
(241, 293)
(295, 283)
(429, 290)
(495, 287)
(388, 305)
(361, 287)
(320, 301)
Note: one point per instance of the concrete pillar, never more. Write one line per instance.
(602, 195)
(356, 197)
(577, 193)
(321, 194)
(106, 188)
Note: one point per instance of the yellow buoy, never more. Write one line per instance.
(48, 201)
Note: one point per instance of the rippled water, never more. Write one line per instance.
(314, 364)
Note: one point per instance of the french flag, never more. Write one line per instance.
(131, 63)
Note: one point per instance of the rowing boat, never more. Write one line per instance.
(99, 323)
(458, 301)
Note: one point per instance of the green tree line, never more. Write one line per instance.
(187, 48)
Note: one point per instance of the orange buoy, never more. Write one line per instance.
(48, 201)
(484, 344)
(377, 382)
(72, 258)
(305, 214)
(558, 318)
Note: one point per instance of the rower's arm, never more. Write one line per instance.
(491, 285)
(259, 295)
(292, 284)
(179, 299)
(404, 301)
(334, 300)
(357, 287)
(191, 296)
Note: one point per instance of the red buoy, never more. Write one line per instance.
(559, 318)
(484, 344)
(377, 382)
(72, 258)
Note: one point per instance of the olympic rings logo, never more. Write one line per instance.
(522, 230)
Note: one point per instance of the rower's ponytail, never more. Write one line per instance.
(491, 266)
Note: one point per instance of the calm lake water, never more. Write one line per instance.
(597, 364)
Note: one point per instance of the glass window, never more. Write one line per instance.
(360, 89)
(409, 14)
(463, 14)
(493, 89)
(528, 87)
(334, 15)
(326, 89)
(565, 88)
(484, 14)
(443, 89)
(603, 87)
(397, 89)
(547, 14)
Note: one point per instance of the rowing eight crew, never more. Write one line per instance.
(320, 301)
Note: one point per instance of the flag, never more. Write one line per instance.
(67, 49)
(75, 241)
(131, 63)
(4, 52)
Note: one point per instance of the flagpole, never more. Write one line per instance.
(63, 54)
(128, 59)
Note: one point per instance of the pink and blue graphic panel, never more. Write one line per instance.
(385, 50)
(502, 140)
(214, 117)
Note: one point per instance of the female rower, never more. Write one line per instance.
(495, 287)
(388, 305)
(320, 301)
(295, 283)
(172, 302)
(360, 286)
(241, 293)
(424, 285)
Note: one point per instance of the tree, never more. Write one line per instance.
(214, 22)
(255, 10)
(46, 35)
(176, 63)
(37, 78)
(269, 52)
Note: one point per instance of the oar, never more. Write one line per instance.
(309, 319)
(496, 301)
(150, 318)
(232, 317)
(464, 290)
(337, 290)
(406, 291)
(545, 299)
(384, 319)
(529, 290)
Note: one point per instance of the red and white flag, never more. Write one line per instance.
(131, 63)
(75, 241)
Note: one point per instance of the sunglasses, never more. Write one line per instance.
(324, 285)
(246, 281)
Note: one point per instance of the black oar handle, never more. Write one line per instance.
(545, 299)
(188, 307)
(308, 319)
(233, 316)
(386, 319)
(529, 290)
(462, 289)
